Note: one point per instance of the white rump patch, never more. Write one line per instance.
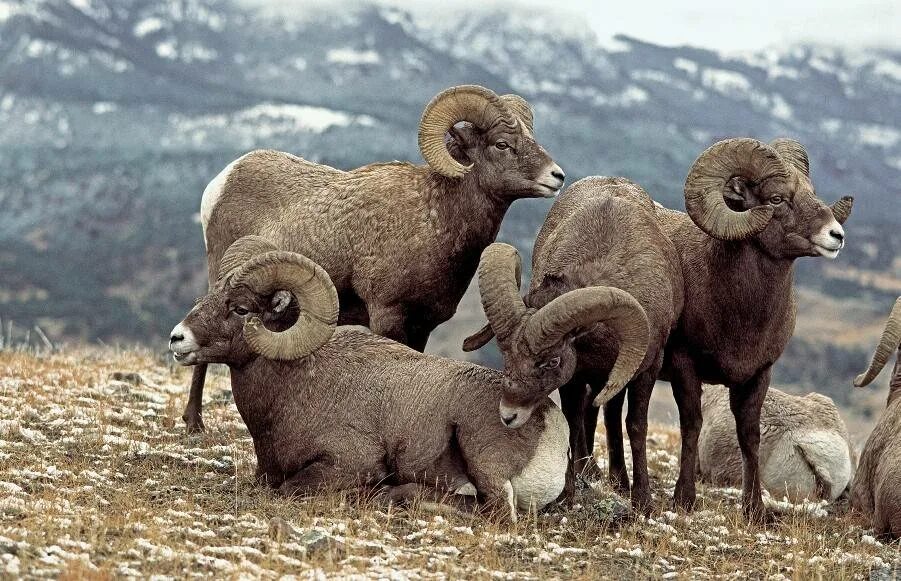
(786, 472)
(212, 193)
(543, 478)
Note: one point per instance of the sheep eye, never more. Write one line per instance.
(502, 144)
(240, 311)
(776, 200)
(551, 363)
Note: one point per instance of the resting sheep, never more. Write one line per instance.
(876, 491)
(804, 447)
(751, 212)
(400, 241)
(601, 239)
(346, 408)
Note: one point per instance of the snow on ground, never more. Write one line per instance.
(97, 478)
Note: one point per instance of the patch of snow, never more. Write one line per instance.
(725, 81)
(147, 26)
(167, 50)
(878, 135)
(689, 66)
(350, 56)
(780, 108)
(103, 107)
(884, 68)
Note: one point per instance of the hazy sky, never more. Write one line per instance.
(718, 24)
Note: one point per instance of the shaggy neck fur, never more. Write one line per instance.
(894, 386)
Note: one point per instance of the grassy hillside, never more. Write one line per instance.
(99, 480)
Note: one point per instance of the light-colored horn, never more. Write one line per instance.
(841, 209)
(316, 297)
(582, 308)
(793, 153)
(472, 103)
(240, 251)
(888, 344)
(709, 176)
(500, 276)
(521, 108)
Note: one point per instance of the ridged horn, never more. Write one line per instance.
(585, 307)
(240, 251)
(500, 276)
(521, 108)
(793, 153)
(316, 297)
(888, 344)
(472, 103)
(709, 176)
(841, 209)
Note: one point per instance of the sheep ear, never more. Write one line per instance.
(280, 301)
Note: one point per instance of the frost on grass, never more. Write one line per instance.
(97, 478)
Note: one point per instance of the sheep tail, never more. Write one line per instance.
(820, 476)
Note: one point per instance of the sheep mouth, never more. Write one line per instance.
(548, 190)
(826, 251)
(185, 358)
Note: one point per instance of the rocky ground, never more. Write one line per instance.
(98, 479)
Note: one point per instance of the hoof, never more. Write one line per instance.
(194, 424)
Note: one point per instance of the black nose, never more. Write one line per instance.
(559, 174)
(176, 337)
(509, 419)
(837, 235)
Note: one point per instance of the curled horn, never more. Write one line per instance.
(841, 209)
(888, 343)
(240, 251)
(793, 153)
(521, 108)
(316, 296)
(500, 276)
(710, 175)
(472, 103)
(585, 307)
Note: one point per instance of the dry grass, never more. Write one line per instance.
(98, 479)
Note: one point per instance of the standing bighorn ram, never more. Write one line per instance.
(400, 241)
(346, 408)
(876, 491)
(601, 239)
(751, 212)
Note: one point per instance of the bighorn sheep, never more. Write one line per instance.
(344, 408)
(601, 239)
(876, 491)
(751, 212)
(401, 242)
(804, 447)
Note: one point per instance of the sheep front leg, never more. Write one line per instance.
(746, 400)
(616, 469)
(318, 475)
(192, 415)
(639, 391)
(687, 392)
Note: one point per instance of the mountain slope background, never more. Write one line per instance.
(115, 114)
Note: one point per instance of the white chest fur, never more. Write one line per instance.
(542, 480)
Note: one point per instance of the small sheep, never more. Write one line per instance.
(805, 451)
(400, 241)
(876, 491)
(751, 212)
(601, 238)
(347, 408)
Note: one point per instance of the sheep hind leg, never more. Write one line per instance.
(745, 402)
(639, 393)
(192, 415)
(617, 474)
(433, 500)
(687, 393)
(322, 474)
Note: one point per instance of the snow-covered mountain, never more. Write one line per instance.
(115, 113)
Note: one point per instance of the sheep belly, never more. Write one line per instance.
(785, 471)
(543, 478)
